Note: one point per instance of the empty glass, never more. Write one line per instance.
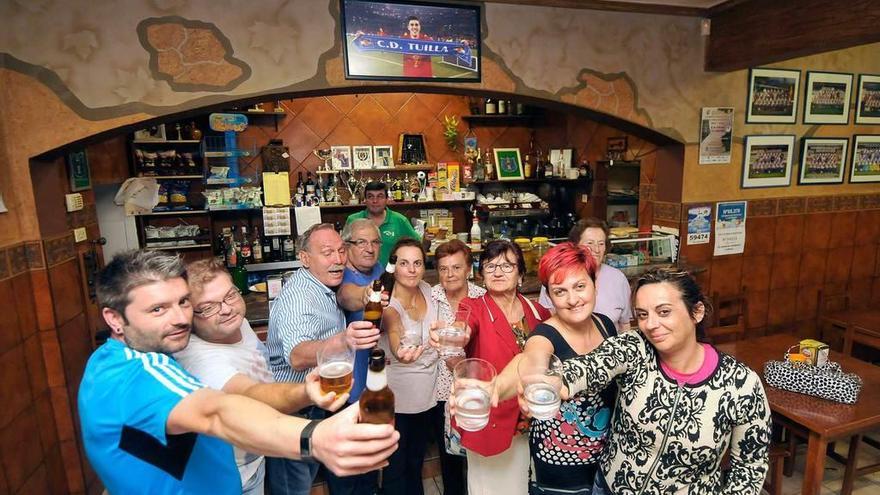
(541, 378)
(474, 383)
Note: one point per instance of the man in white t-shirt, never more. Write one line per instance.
(225, 354)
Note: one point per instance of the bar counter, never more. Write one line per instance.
(258, 304)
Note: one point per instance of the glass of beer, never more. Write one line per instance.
(474, 383)
(541, 378)
(453, 335)
(335, 365)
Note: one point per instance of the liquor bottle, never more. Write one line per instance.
(387, 278)
(491, 107)
(373, 309)
(489, 167)
(377, 401)
(406, 189)
(289, 249)
(397, 190)
(257, 246)
(266, 245)
(509, 107)
(502, 107)
(548, 168)
(277, 250)
(246, 252)
(527, 169)
(476, 232)
(300, 185)
(310, 185)
(231, 250)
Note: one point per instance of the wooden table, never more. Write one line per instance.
(859, 325)
(821, 421)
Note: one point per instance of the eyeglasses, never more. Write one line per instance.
(505, 267)
(211, 308)
(362, 243)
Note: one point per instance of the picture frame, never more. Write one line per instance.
(340, 157)
(152, 133)
(78, 171)
(767, 161)
(377, 40)
(412, 149)
(865, 162)
(383, 156)
(868, 99)
(508, 164)
(826, 98)
(823, 160)
(363, 157)
(772, 96)
(565, 157)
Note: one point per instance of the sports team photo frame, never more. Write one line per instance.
(823, 160)
(773, 96)
(865, 163)
(767, 161)
(826, 98)
(868, 99)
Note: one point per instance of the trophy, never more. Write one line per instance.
(422, 179)
(353, 185)
(325, 156)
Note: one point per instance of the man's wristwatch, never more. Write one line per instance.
(305, 440)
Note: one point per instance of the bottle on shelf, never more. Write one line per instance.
(266, 247)
(479, 170)
(373, 309)
(489, 167)
(246, 252)
(289, 249)
(231, 249)
(407, 191)
(476, 232)
(310, 185)
(277, 249)
(377, 400)
(548, 168)
(491, 107)
(502, 107)
(387, 277)
(300, 185)
(509, 107)
(528, 172)
(257, 246)
(397, 190)
(240, 276)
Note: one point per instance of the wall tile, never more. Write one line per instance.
(726, 275)
(42, 299)
(321, 117)
(864, 261)
(75, 340)
(63, 417)
(760, 233)
(838, 264)
(435, 102)
(413, 117)
(392, 102)
(33, 354)
(4, 485)
(756, 272)
(785, 270)
(875, 291)
(843, 229)
(66, 284)
(55, 474)
(345, 103)
(791, 206)
(299, 139)
(781, 307)
(807, 302)
(10, 335)
(867, 229)
(817, 231)
(859, 291)
(72, 466)
(348, 133)
(24, 304)
(52, 358)
(37, 482)
(14, 385)
(812, 270)
(20, 449)
(762, 208)
(697, 252)
(758, 302)
(788, 235)
(369, 115)
(46, 421)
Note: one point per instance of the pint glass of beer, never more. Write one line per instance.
(335, 365)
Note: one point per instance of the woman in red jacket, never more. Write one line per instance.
(500, 321)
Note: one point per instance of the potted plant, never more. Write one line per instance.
(450, 131)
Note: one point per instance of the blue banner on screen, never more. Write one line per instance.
(407, 46)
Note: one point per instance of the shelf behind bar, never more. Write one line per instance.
(183, 246)
(169, 213)
(526, 181)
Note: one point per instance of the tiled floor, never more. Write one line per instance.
(865, 485)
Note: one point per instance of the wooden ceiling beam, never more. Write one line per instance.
(757, 32)
(641, 8)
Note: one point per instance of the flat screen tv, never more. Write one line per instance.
(411, 40)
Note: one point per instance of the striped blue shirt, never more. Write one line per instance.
(306, 310)
(125, 398)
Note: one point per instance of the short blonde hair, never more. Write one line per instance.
(200, 273)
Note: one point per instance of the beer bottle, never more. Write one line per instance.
(377, 401)
(373, 309)
(387, 278)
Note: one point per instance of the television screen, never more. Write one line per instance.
(412, 41)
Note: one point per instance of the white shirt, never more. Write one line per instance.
(612, 296)
(215, 364)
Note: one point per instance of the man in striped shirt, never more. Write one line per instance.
(301, 319)
(150, 427)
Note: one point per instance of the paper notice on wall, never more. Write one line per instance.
(699, 225)
(716, 134)
(276, 221)
(306, 216)
(730, 228)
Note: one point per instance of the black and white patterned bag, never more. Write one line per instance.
(827, 381)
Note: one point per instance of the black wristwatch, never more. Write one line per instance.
(305, 440)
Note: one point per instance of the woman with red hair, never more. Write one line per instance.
(565, 450)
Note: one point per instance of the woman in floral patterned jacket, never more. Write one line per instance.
(681, 403)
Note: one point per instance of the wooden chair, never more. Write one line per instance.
(729, 319)
(830, 328)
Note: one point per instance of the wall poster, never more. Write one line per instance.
(730, 228)
(699, 225)
(716, 134)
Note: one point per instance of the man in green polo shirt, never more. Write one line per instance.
(392, 225)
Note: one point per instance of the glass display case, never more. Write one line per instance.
(637, 252)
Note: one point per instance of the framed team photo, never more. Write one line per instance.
(767, 161)
(826, 98)
(508, 164)
(411, 40)
(865, 159)
(823, 160)
(773, 95)
(868, 100)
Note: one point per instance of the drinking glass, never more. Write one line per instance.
(453, 336)
(474, 383)
(335, 365)
(541, 377)
(411, 338)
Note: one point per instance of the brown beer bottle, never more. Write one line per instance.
(377, 401)
(387, 278)
(373, 309)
